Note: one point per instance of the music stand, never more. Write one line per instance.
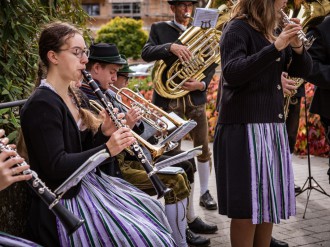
(308, 185)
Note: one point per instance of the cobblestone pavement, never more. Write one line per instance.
(311, 231)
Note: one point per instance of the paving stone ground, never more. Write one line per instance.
(313, 230)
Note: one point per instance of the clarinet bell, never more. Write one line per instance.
(70, 221)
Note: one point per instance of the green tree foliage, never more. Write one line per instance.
(126, 33)
(21, 21)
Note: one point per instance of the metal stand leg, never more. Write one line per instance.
(308, 185)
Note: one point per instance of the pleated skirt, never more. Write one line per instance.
(9, 240)
(254, 172)
(116, 214)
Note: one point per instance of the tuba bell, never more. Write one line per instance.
(310, 14)
(168, 76)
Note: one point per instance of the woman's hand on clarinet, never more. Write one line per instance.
(289, 35)
(8, 173)
(108, 126)
(119, 140)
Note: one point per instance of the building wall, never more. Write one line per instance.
(150, 11)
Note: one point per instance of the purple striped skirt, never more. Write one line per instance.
(253, 172)
(10, 240)
(116, 214)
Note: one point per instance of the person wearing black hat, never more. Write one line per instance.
(162, 45)
(132, 171)
(104, 63)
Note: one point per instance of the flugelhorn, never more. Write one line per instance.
(151, 114)
(137, 150)
(307, 42)
(70, 221)
(155, 150)
(169, 127)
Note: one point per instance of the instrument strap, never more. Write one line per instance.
(172, 24)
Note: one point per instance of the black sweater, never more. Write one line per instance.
(251, 89)
(55, 146)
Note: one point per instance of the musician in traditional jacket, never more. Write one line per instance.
(131, 169)
(162, 45)
(320, 76)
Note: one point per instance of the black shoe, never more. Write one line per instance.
(196, 240)
(207, 201)
(277, 243)
(199, 226)
(297, 189)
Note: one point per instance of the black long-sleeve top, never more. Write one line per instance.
(161, 36)
(251, 90)
(55, 145)
(320, 75)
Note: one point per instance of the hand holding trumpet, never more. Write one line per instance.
(289, 36)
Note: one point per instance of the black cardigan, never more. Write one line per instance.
(251, 90)
(162, 35)
(55, 146)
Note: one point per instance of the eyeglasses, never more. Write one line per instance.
(125, 76)
(78, 52)
(183, 5)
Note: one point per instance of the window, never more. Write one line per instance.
(126, 8)
(92, 9)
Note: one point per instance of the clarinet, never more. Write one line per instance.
(70, 222)
(159, 186)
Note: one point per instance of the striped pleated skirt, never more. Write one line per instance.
(116, 214)
(253, 172)
(9, 240)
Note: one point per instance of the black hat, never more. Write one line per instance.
(108, 53)
(125, 68)
(177, 1)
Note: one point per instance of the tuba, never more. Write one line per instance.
(310, 13)
(204, 46)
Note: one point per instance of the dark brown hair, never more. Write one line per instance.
(52, 38)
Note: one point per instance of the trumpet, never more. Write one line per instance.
(151, 114)
(307, 42)
(155, 150)
(70, 222)
(136, 149)
(289, 99)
